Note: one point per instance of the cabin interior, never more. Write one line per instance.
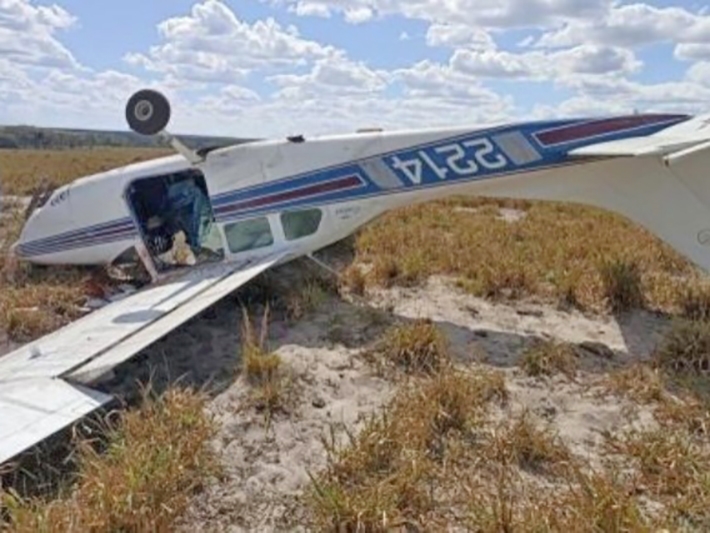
(175, 218)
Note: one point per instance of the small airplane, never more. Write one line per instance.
(245, 208)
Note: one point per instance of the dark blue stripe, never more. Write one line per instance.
(47, 250)
(104, 226)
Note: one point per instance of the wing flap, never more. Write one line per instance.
(33, 410)
(102, 332)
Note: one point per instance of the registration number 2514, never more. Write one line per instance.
(458, 159)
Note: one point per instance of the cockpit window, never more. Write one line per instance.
(248, 235)
(299, 224)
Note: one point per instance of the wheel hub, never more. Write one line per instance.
(144, 110)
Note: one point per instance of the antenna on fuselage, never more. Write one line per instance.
(148, 113)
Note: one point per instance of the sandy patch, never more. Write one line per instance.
(266, 465)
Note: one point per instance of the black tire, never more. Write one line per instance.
(148, 112)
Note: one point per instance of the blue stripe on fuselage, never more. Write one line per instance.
(468, 157)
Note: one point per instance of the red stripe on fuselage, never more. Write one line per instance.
(600, 127)
(311, 190)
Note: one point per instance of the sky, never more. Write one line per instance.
(280, 67)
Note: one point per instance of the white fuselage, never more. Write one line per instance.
(352, 179)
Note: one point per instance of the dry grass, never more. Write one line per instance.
(153, 461)
(641, 382)
(567, 254)
(443, 453)
(353, 280)
(522, 442)
(271, 386)
(304, 300)
(383, 476)
(695, 302)
(35, 301)
(686, 348)
(672, 468)
(592, 502)
(22, 170)
(414, 348)
(437, 457)
(622, 285)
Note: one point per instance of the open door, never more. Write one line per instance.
(174, 215)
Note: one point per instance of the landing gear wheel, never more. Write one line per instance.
(148, 112)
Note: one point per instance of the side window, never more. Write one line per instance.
(248, 235)
(298, 224)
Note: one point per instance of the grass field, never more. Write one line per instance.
(566, 254)
(22, 170)
(416, 463)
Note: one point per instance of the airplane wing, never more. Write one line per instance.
(43, 384)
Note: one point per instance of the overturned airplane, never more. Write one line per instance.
(243, 209)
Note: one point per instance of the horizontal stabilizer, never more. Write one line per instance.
(34, 410)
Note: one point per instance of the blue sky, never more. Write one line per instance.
(274, 67)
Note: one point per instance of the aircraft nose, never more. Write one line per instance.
(47, 220)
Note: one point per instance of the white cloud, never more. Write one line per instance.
(428, 79)
(334, 74)
(212, 44)
(700, 73)
(358, 15)
(585, 59)
(28, 34)
(485, 13)
(564, 22)
(670, 96)
(333, 113)
(310, 9)
(693, 51)
(454, 35)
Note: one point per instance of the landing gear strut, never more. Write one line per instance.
(148, 113)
